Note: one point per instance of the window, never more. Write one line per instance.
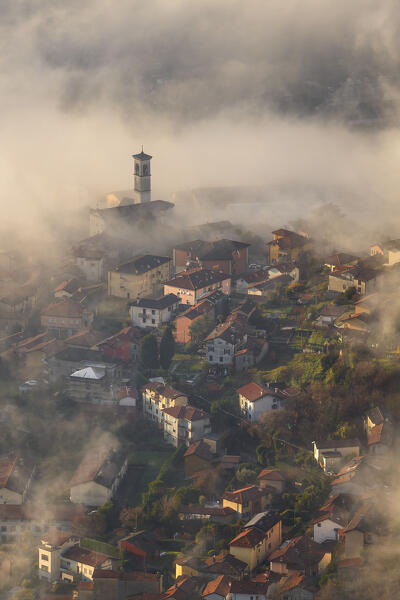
(210, 357)
(3, 528)
(44, 557)
(153, 312)
(153, 321)
(44, 568)
(221, 359)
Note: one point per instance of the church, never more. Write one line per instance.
(132, 206)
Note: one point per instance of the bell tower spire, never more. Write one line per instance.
(142, 176)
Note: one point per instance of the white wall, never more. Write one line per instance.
(325, 530)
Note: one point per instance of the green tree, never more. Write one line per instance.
(167, 348)
(201, 327)
(149, 352)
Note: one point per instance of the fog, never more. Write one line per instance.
(303, 96)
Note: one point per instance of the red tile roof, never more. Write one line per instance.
(190, 413)
(253, 391)
(84, 556)
(248, 538)
(219, 586)
(64, 308)
(55, 537)
(244, 495)
(271, 475)
(200, 449)
(197, 279)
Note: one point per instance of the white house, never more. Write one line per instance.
(150, 312)
(156, 397)
(185, 424)
(223, 342)
(98, 476)
(333, 515)
(62, 558)
(255, 400)
(346, 448)
(16, 474)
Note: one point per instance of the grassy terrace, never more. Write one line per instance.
(153, 460)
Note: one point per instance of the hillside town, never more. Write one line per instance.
(207, 413)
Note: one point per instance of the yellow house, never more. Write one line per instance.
(140, 276)
(247, 501)
(287, 246)
(255, 543)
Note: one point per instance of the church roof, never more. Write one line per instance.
(142, 156)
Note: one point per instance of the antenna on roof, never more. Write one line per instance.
(142, 147)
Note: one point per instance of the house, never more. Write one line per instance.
(79, 564)
(375, 416)
(65, 318)
(364, 280)
(185, 320)
(261, 535)
(345, 448)
(140, 276)
(142, 545)
(357, 477)
(185, 424)
(246, 501)
(153, 312)
(198, 456)
(332, 517)
(380, 438)
(98, 476)
(365, 528)
(244, 281)
(114, 583)
(248, 590)
(67, 288)
(390, 251)
(255, 400)
(297, 587)
(16, 474)
(86, 339)
(52, 546)
(94, 383)
(223, 342)
(216, 514)
(228, 256)
(219, 564)
(216, 589)
(123, 345)
(300, 554)
(287, 246)
(32, 353)
(156, 397)
(331, 312)
(90, 261)
(266, 287)
(71, 359)
(250, 353)
(284, 268)
(272, 478)
(20, 520)
(340, 260)
(193, 285)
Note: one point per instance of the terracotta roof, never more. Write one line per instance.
(225, 563)
(63, 308)
(219, 586)
(197, 311)
(85, 338)
(197, 279)
(190, 413)
(55, 537)
(253, 391)
(15, 472)
(163, 389)
(299, 552)
(244, 495)
(295, 580)
(381, 434)
(271, 475)
(200, 449)
(70, 286)
(248, 538)
(87, 557)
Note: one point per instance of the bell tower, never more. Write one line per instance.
(142, 176)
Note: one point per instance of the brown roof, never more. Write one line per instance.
(164, 389)
(70, 286)
(63, 308)
(225, 563)
(197, 311)
(271, 475)
(244, 495)
(15, 472)
(219, 586)
(253, 391)
(248, 587)
(197, 279)
(299, 552)
(190, 413)
(331, 444)
(248, 538)
(85, 338)
(381, 434)
(55, 537)
(200, 449)
(87, 557)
